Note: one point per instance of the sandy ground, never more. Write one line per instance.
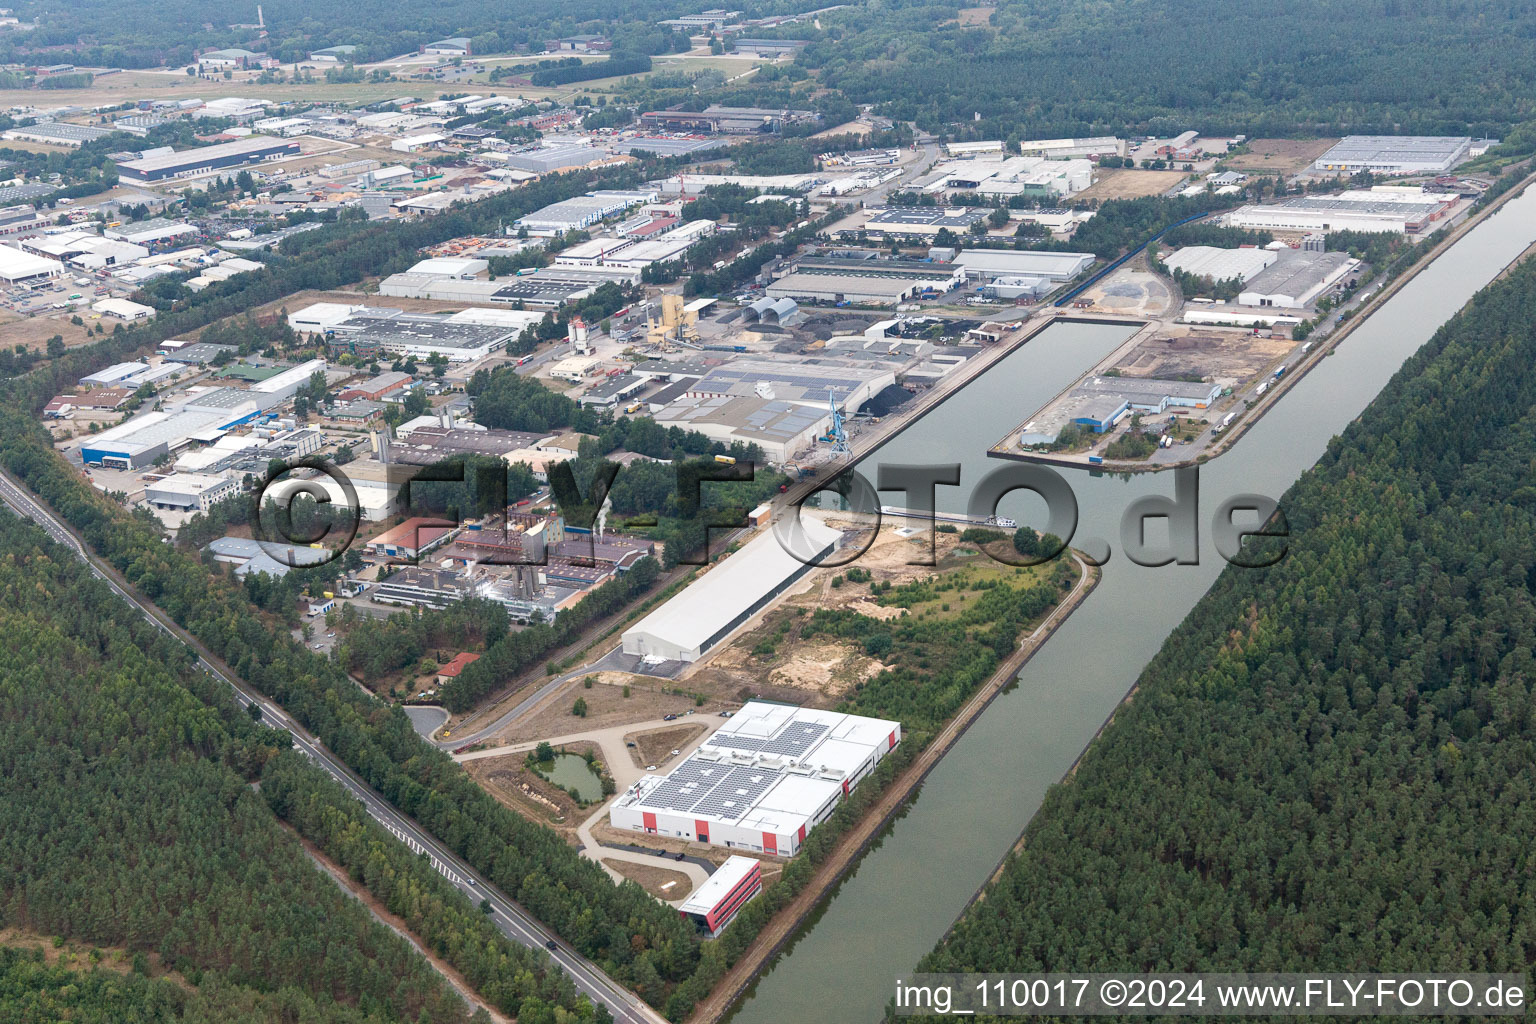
(1224, 356)
(771, 659)
(858, 128)
(1280, 156)
(1134, 292)
(1126, 183)
(33, 332)
(972, 16)
(659, 882)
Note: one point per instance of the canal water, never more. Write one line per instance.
(976, 803)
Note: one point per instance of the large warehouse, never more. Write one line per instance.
(367, 331)
(1220, 264)
(986, 264)
(189, 162)
(1383, 208)
(1298, 279)
(762, 781)
(1395, 154)
(17, 267)
(718, 602)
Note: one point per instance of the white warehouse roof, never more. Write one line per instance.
(727, 595)
(1220, 264)
(762, 781)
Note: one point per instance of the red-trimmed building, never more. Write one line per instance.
(716, 903)
(412, 538)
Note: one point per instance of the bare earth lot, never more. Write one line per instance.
(1127, 183)
(1280, 156)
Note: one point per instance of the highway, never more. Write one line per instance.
(514, 922)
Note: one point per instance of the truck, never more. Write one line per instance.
(633, 407)
(1166, 441)
(1279, 372)
(1097, 460)
(1261, 389)
(725, 460)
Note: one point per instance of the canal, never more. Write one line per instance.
(904, 895)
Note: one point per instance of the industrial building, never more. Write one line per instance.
(716, 903)
(827, 288)
(716, 119)
(1061, 149)
(1382, 208)
(712, 20)
(1395, 154)
(204, 414)
(988, 264)
(17, 267)
(762, 781)
(412, 538)
(801, 383)
(779, 428)
(189, 492)
(367, 331)
(272, 558)
(581, 212)
(1013, 176)
(547, 159)
(1220, 264)
(59, 133)
(725, 597)
(1297, 279)
(923, 221)
(190, 162)
(548, 288)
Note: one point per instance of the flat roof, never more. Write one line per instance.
(715, 888)
(1394, 148)
(240, 147)
(771, 767)
(1298, 273)
(714, 599)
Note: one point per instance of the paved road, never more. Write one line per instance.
(514, 922)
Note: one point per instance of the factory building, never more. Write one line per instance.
(1382, 208)
(807, 384)
(923, 221)
(1297, 279)
(189, 492)
(725, 597)
(189, 162)
(989, 264)
(368, 331)
(548, 288)
(779, 428)
(1062, 149)
(1220, 264)
(17, 267)
(548, 159)
(204, 415)
(762, 781)
(716, 119)
(716, 903)
(582, 211)
(1395, 154)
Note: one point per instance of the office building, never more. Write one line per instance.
(716, 903)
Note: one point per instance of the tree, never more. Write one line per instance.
(579, 709)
